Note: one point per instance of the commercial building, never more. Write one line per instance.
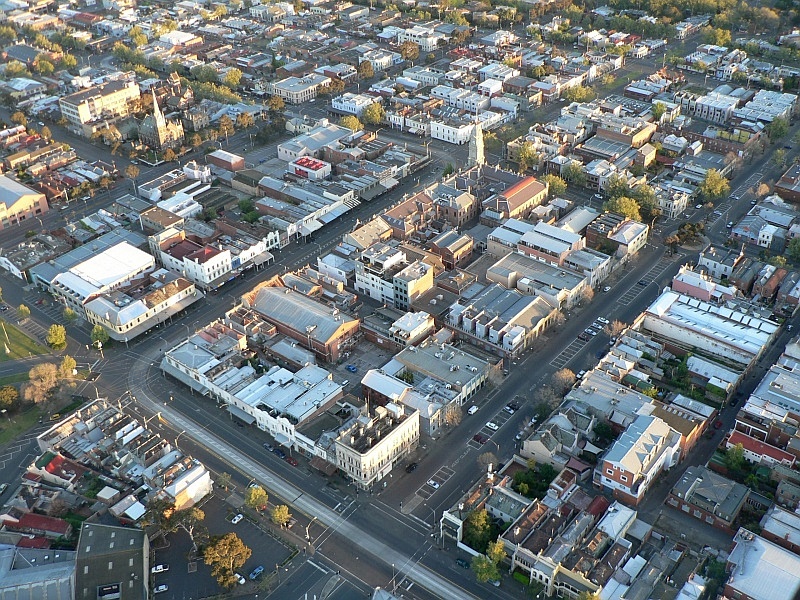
(207, 266)
(549, 244)
(354, 104)
(701, 327)
(18, 202)
(296, 90)
(646, 448)
(95, 108)
(112, 562)
(324, 330)
(37, 573)
(760, 569)
(369, 448)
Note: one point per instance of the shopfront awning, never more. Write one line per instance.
(310, 227)
(241, 415)
(282, 440)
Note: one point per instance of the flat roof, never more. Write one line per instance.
(763, 570)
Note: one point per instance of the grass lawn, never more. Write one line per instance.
(20, 345)
(18, 424)
(11, 379)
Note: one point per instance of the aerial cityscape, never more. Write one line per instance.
(437, 299)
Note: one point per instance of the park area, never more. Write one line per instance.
(14, 344)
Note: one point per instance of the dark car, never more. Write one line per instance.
(411, 467)
(584, 336)
(292, 461)
(269, 447)
(513, 405)
(462, 563)
(351, 368)
(279, 453)
(642, 282)
(480, 438)
(718, 425)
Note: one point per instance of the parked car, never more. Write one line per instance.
(3, 307)
(237, 518)
(411, 467)
(718, 424)
(292, 461)
(602, 320)
(590, 331)
(583, 337)
(494, 582)
(279, 453)
(160, 588)
(160, 569)
(3, 487)
(642, 282)
(269, 447)
(519, 436)
(351, 368)
(698, 206)
(509, 410)
(254, 485)
(729, 225)
(513, 405)
(433, 484)
(480, 438)
(462, 563)
(256, 572)
(492, 425)
(472, 410)
(240, 579)
(580, 374)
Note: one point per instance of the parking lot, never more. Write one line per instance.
(651, 276)
(192, 579)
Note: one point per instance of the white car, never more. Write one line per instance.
(160, 569)
(472, 410)
(698, 206)
(607, 288)
(237, 518)
(602, 320)
(580, 374)
(493, 426)
(240, 579)
(433, 484)
(161, 588)
(590, 331)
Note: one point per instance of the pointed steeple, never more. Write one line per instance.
(476, 153)
(160, 121)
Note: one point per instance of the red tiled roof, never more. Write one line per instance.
(204, 254)
(182, 248)
(522, 192)
(43, 523)
(598, 506)
(758, 447)
(41, 543)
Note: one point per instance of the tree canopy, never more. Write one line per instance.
(373, 114)
(623, 205)
(555, 185)
(57, 337)
(714, 186)
(225, 555)
(351, 122)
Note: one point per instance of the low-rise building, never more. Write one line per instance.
(708, 497)
(369, 448)
(113, 561)
(760, 569)
(296, 90)
(99, 106)
(18, 202)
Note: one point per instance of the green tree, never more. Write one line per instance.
(224, 480)
(623, 205)
(232, 78)
(137, 36)
(19, 118)
(225, 555)
(7, 34)
(717, 36)
(365, 70)
(67, 368)
(477, 529)
(714, 186)
(275, 104)
(351, 122)
(527, 157)
(778, 261)
(555, 185)
(779, 157)
(578, 93)
(373, 114)
(573, 173)
(484, 569)
(189, 520)
(658, 110)
(281, 515)
(777, 129)
(449, 169)
(15, 68)
(23, 312)
(616, 186)
(793, 249)
(57, 337)
(409, 50)
(734, 457)
(8, 397)
(496, 552)
(68, 61)
(226, 126)
(205, 74)
(99, 334)
(244, 120)
(43, 66)
(256, 498)
(46, 133)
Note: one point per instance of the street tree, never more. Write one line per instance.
(487, 460)
(546, 396)
(762, 190)
(46, 133)
(453, 414)
(281, 515)
(614, 328)
(779, 157)
(793, 249)
(225, 555)
(623, 205)
(190, 520)
(132, 172)
(275, 104)
(225, 125)
(563, 380)
(573, 173)
(496, 552)
(244, 120)
(256, 498)
(19, 118)
(8, 397)
(68, 61)
(555, 185)
(617, 185)
(579, 93)
(195, 141)
(409, 50)
(24, 312)
(484, 569)
(373, 114)
(137, 36)
(777, 129)
(587, 294)
(57, 337)
(232, 78)
(99, 334)
(42, 379)
(351, 122)
(224, 480)
(714, 186)
(365, 70)
(67, 368)
(169, 155)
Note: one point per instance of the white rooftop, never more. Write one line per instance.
(763, 570)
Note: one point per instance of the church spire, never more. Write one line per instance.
(160, 121)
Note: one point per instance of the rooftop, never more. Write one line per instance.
(761, 570)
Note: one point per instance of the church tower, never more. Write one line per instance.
(476, 154)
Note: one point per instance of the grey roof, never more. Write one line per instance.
(712, 492)
(33, 574)
(12, 190)
(301, 313)
(109, 555)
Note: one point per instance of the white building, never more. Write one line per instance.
(354, 104)
(426, 38)
(412, 328)
(296, 90)
(454, 132)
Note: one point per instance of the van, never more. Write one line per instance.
(472, 410)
